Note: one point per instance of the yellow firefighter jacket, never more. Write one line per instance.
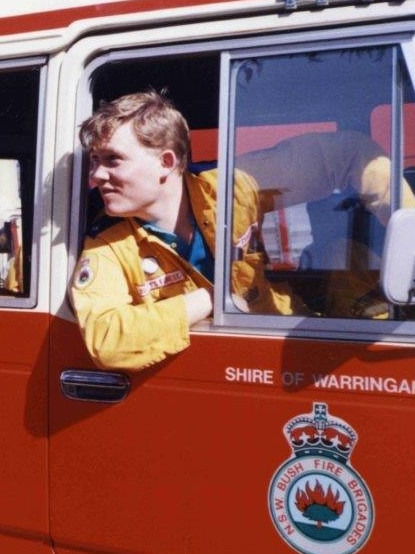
(128, 286)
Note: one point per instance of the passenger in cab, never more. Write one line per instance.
(355, 172)
(146, 272)
(310, 166)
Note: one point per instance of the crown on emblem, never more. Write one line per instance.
(320, 434)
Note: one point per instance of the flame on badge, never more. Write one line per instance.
(318, 505)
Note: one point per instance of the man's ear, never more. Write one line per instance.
(168, 164)
(168, 160)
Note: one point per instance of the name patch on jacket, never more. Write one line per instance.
(160, 282)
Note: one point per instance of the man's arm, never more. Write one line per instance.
(122, 335)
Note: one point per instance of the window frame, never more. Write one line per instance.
(29, 300)
(399, 34)
(226, 315)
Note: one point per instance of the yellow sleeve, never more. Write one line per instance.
(119, 334)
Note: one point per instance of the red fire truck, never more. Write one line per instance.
(270, 433)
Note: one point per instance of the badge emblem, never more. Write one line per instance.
(318, 503)
(85, 274)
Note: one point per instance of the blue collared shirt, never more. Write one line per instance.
(196, 252)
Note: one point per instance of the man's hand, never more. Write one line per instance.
(199, 305)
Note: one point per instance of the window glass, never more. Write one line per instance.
(18, 131)
(313, 130)
(10, 226)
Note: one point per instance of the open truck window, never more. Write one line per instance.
(318, 129)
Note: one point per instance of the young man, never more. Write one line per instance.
(146, 273)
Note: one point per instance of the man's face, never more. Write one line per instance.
(127, 174)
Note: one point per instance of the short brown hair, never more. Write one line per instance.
(156, 122)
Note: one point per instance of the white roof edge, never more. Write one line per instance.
(49, 41)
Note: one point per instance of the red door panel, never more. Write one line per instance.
(185, 463)
(24, 432)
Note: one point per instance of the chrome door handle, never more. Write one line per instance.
(94, 386)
